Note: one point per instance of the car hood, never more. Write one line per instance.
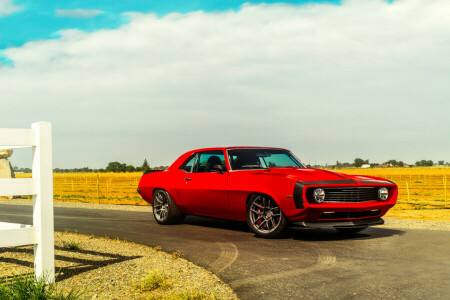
(314, 175)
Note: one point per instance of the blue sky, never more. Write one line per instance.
(38, 19)
(356, 78)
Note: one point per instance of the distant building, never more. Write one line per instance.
(365, 166)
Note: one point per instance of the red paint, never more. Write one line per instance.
(224, 195)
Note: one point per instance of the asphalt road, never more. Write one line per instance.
(378, 263)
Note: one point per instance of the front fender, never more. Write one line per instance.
(243, 184)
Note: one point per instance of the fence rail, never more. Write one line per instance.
(13, 187)
(40, 186)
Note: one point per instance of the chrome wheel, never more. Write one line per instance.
(161, 205)
(265, 215)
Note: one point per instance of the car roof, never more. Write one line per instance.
(186, 155)
(235, 147)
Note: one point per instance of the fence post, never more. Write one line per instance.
(407, 189)
(44, 252)
(98, 189)
(445, 191)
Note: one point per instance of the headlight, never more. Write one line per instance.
(319, 195)
(383, 194)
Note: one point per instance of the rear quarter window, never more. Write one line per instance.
(187, 165)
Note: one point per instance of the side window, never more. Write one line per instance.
(187, 165)
(206, 161)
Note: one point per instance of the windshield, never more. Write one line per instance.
(244, 159)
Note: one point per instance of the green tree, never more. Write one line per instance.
(116, 167)
(395, 163)
(130, 168)
(358, 162)
(441, 162)
(424, 163)
(145, 166)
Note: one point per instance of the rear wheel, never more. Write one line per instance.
(264, 217)
(165, 210)
(351, 229)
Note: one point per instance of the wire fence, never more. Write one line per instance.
(418, 187)
(111, 188)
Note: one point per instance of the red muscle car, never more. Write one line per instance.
(269, 188)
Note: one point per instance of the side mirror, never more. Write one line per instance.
(218, 168)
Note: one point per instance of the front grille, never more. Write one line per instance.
(357, 194)
(350, 214)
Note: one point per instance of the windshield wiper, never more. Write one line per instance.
(253, 166)
(281, 167)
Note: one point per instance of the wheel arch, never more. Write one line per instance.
(172, 195)
(251, 194)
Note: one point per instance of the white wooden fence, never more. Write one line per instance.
(40, 234)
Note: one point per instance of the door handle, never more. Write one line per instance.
(187, 179)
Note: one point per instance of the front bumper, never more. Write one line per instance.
(302, 210)
(340, 224)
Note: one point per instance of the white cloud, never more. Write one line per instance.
(7, 7)
(364, 79)
(78, 13)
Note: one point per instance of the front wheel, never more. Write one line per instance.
(351, 230)
(264, 217)
(165, 210)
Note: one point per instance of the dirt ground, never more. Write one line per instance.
(112, 269)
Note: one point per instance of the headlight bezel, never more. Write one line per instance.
(319, 195)
(383, 193)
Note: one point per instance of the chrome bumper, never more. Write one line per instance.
(341, 224)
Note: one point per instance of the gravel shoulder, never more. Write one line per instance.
(402, 223)
(112, 269)
(397, 219)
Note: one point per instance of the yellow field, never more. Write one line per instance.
(423, 192)
(111, 188)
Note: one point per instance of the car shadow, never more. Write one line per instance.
(327, 235)
(216, 223)
(295, 233)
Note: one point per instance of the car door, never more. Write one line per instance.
(205, 191)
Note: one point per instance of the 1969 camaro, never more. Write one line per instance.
(269, 188)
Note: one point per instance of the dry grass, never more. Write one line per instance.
(176, 254)
(154, 280)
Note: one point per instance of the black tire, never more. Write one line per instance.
(351, 230)
(165, 210)
(264, 217)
